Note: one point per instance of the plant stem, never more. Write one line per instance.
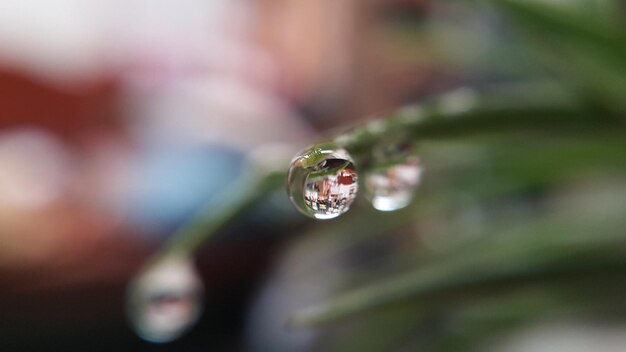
(416, 122)
(429, 122)
(232, 203)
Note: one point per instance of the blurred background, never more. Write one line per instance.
(119, 119)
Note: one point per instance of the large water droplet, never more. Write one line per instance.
(322, 181)
(391, 182)
(165, 300)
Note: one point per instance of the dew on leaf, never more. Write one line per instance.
(392, 179)
(165, 300)
(322, 181)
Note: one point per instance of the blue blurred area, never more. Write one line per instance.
(173, 181)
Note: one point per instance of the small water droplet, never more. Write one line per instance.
(391, 182)
(322, 181)
(165, 300)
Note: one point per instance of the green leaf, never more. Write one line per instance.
(583, 50)
(567, 245)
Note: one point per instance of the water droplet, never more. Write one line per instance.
(322, 181)
(391, 181)
(165, 300)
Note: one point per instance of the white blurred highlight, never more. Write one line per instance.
(166, 300)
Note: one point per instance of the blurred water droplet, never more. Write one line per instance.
(391, 182)
(165, 300)
(322, 181)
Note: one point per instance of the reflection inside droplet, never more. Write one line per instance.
(390, 187)
(330, 193)
(165, 301)
(322, 182)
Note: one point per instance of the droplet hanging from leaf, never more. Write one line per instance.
(322, 181)
(165, 300)
(391, 180)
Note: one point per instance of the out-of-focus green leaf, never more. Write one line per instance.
(583, 50)
(471, 327)
(567, 245)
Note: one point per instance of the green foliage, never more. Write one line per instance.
(542, 161)
(561, 261)
(584, 50)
